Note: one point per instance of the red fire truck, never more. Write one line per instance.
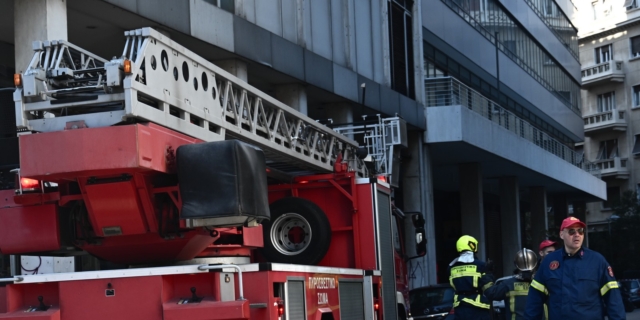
(216, 200)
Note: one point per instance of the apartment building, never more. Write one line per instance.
(490, 90)
(609, 41)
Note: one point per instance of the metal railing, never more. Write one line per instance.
(603, 118)
(558, 23)
(601, 68)
(448, 91)
(612, 165)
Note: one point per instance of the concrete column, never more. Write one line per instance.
(293, 95)
(538, 198)
(340, 112)
(418, 52)
(37, 20)
(560, 210)
(386, 45)
(418, 196)
(236, 67)
(472, 205)
(510, 221)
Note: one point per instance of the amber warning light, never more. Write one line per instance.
(127, 66)
(17, 79)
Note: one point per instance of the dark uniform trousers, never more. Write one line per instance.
(469, 280)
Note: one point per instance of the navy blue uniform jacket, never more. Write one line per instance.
(469, 280)
(581, 286)
(516, 290)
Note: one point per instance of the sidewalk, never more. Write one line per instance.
(634, 315)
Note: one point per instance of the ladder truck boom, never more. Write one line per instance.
(157, 80)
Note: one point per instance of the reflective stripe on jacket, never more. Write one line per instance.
(469, 280)
(514, 292)
(579, 286)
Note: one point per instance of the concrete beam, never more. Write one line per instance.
(236, 67)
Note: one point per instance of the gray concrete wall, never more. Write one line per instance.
(455, 123)
(334, 45)
(569, 7)
(347, 32)
(37, 20)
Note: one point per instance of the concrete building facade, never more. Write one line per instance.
(609, 42)
(490, 90)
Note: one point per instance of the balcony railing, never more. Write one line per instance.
(602, 73)
(448, 91)
(613, 167)
(612, 119)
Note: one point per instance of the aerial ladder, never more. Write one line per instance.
(175, 88)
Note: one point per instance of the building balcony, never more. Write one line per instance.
(613, 168)
(612, 120)
(463, 126)
(610, 71)
(448, 91)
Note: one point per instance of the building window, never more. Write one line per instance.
(401, 44)
(608, 149)
(606, 101)
(550, 8)
(636, 96)
(613, 198)
(226, 5)
(635, 47)
(603, 54)
(431, 71)
(631, 4)
(636, 146)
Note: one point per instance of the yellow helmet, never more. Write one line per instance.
(467, 243)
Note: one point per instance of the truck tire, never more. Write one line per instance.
(298, 232)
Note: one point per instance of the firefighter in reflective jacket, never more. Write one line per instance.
(576, 282)
(514, 290)
(469, 278)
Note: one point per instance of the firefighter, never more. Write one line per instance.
(576, 282)
(469, 277)
(515, 288)
(546, 247)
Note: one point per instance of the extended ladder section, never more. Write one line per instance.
(157, 80)
(380, 137)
